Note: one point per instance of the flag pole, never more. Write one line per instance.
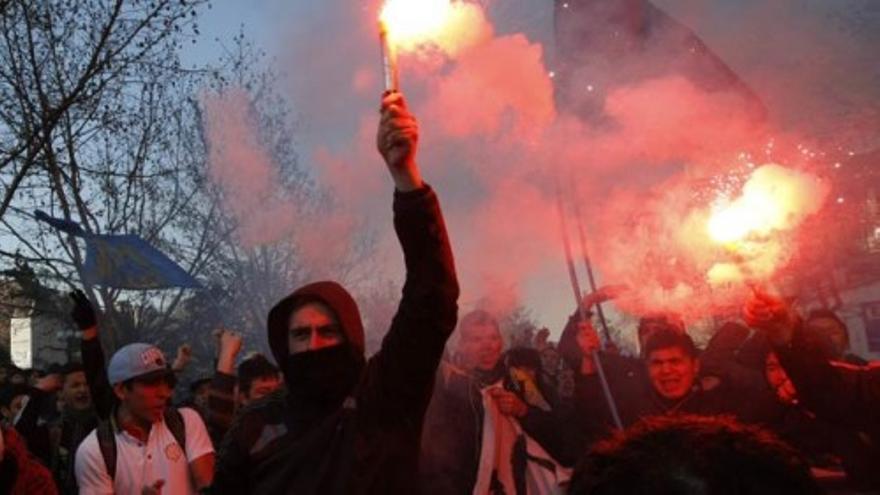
(578, 298)
(578, 218)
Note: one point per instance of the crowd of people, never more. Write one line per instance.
(772, 405)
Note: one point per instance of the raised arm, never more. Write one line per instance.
(402, 373)
(84, 316)
(221, 395)
(835, 392)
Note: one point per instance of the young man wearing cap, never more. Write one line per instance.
(156, 450)
(349, 425)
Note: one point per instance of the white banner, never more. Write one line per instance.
(20, 342)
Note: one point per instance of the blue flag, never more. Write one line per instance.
(124, 261)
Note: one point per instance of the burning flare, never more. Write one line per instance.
(411, 22)
(449, 26)
(775, 199)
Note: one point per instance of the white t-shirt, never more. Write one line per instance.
(139, 465)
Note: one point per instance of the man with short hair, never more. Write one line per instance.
(145, 447)
(257, 378)
(841, 394)
(825, 322)
(480, 344)
(199, 391)
(53, 437)
(655, 322)
(672, 364)
(837, 392)
(351, 425)
(74, 394)
(672, 386)
(464, 444)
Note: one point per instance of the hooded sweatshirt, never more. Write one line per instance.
(321, 438)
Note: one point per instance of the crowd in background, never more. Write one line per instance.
(737, 385)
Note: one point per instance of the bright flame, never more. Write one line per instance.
(410, 22)
(757, 213)
(775, 198)
(450, 26)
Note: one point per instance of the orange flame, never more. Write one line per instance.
(774, 199)
(448, 25)
(410, 22)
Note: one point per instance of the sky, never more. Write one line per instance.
(813, 62)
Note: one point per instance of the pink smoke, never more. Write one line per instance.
(494, 144)
(240, 165)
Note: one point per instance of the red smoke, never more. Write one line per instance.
(494, 144)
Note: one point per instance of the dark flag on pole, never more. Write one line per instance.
(124, 261)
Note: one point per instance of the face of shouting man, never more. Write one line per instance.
(75, 391)
(672, 372)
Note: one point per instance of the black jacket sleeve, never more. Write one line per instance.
(96, 376)
(233, 464)
(546, 428)
(36, 436)
(221, 405)
(835, 392)
(724, 358)
(400, 376)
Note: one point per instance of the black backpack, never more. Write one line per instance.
(106, 432)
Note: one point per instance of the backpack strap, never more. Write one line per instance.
(107, 443)
(106, 433)
(174, 422)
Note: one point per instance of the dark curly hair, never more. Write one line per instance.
(693, 455)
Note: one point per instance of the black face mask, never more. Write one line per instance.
(322, 379)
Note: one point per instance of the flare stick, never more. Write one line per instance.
(389, 60)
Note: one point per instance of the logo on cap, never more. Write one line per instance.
(152, 356)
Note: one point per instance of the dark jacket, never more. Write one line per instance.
(95, 366)
(736, 356)
(836, 392)
(221, 406)
(844, 396)
(832, 447)
(588, 411)
(55, 441)
(370, 444)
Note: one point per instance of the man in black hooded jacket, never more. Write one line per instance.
(346, 424)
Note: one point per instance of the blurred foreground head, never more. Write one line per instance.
(693, 455)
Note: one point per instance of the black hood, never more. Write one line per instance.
(333, 296)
